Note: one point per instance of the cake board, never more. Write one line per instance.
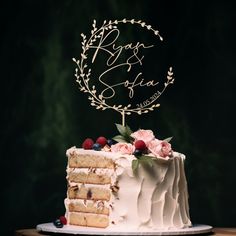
(77, 230)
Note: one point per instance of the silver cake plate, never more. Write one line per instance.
(77, 230)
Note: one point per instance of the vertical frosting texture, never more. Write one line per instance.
(155, 198)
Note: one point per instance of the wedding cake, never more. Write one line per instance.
(137, 183)
(140, 185)
(133, 183)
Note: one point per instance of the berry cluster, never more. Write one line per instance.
(140, 148)
(98, 145)
(60, 222)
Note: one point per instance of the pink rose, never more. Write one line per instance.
(145, 135)
(165, 149)
(160, 148)
(123, 148)
(154, 147)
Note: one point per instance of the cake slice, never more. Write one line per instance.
(89, 176)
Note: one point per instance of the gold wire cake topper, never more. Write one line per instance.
(103, 40)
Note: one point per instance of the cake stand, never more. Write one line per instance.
(77, 230)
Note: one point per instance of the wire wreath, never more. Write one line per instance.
(83, 73)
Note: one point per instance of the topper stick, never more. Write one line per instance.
(123, 117)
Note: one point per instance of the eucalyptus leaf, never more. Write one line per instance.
(143, 160)
(128, 138)
(135, 164)
(146, 160)
(119, 139)
(128, 130)
(168, 139)
(121, 129)
(125, 131)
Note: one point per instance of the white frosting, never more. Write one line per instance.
(154, 198)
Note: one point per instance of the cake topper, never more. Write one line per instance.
(104, 42)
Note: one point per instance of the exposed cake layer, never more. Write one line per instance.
(89, 220)
(88, 206)
(89, 192)
(89, 177)
(79, 158)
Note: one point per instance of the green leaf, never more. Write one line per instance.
(125, 131)
(128, 130)
(143, 160)
(146, 160)
(128, 138)
(121, 129)
(135, 164)
(127, 135)
(119, 139)
(168, 139)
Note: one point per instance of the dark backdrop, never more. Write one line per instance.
(43, 113)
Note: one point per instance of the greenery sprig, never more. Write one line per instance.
(125, 134)
(143, 160)
(141, 157)
(125, 137)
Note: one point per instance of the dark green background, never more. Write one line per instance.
(43, 113)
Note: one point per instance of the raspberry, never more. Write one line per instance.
(140, 145)
(63, 220)
(88, 143)
(102, 141)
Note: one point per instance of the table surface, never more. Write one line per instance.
(34, 232)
